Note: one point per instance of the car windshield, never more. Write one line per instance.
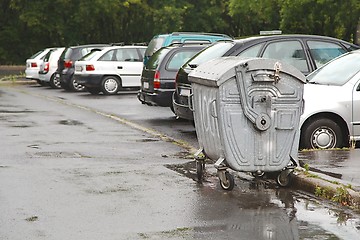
(155, 59)
(338, 71)
(213, 51)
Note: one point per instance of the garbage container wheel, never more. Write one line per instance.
(229, 183)
(283, 179)
(200, 167)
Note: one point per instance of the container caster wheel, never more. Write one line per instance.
(228, 183)
(258, 174)
(200, 167)
(283, 179)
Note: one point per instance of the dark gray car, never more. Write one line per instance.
(305, 52)
(66, 64)
(158, 75)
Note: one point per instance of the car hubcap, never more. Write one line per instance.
(57, 81)
(78, 86)
(111, 85)
(323, 138)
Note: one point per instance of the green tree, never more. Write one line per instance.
(253, 16)
(323, 17)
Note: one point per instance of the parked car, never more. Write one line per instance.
(331, 117)
(158, 75)
(47, 73)
(163, 40)
(33, 65)
(66, 64)
(111, 69)
(305, 52)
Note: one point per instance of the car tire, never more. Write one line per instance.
(322, 133)
(110, 85)
(75, 86)
(55, 81)
(93, 90)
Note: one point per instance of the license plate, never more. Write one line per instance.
(146, 85)
(78, 68)
(185, 92)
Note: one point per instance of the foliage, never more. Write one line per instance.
(28, 26)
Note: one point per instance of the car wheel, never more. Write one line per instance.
(322, 133)
(93, 90)
(75, 86)
(110, 85)
(55, 81)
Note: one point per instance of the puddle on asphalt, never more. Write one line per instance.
(71, 122)
(148, 140)
(259, 209)
(325, 161)
(57, 155)
(324, 157)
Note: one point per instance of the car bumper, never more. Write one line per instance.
(32, 74)
(163, 99)
(66, 76)
(181, 107)
(89, 80)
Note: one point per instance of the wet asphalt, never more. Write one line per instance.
(69, 172)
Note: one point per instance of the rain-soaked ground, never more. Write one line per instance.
(341, 164)
(67, 172)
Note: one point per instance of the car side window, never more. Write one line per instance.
(322, 52)
(252, 51)
(290, 52)
(127, 55)
(108, 56)
(178, 59)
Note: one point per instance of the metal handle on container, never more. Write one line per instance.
(260, 120)
(190, 99)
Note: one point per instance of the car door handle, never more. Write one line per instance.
(119, 67)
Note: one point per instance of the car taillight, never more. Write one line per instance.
(46, 67)
(68, 64)
(157, 80)
(33, 64)
(90, 68)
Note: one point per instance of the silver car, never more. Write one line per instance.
(48, 67)
(331, 117)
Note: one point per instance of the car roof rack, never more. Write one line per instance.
(201, 33)
(187, 43)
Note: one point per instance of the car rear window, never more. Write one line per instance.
(154, 45)
(67, 53)
(179, 58)
(155, 59)
(337, 72)
(36, 54)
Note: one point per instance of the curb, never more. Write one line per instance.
(327, 189)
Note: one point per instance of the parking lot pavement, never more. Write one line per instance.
(330, 173)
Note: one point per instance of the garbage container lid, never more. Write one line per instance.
(217, 71)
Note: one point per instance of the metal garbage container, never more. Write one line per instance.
(247, 114)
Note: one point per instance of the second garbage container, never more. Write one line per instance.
(247, 114)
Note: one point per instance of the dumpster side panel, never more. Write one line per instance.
(206, 122)
(247, 148)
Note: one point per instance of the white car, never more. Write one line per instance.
(48, 67)
(33, 64)
(331, 117)
(110, 69)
